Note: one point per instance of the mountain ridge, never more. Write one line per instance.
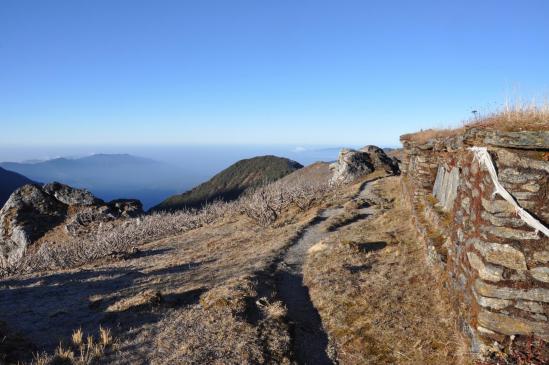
(232, 182)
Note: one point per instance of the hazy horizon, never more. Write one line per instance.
(185, 166)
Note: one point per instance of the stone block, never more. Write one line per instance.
(510, 233)
(540, 274)
(501, 254)
(497, 206)
(512, 325)
(528, 306)
(493, 303)
(485, 272)
(502, 221)
(488, 290)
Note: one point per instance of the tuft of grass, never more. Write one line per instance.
(512, 117)
(84, 350)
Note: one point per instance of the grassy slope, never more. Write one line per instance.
(230, 183)
(377, 299)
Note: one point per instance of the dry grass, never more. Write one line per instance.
(377, 299)
(83, 350)
(219, 330)
(265, 206)
(511, 117)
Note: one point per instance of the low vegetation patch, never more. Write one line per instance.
(512, 117)
(83, 349)
(378, 301)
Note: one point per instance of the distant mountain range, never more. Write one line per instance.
(9, 182)
(232, 182)
(108, 176)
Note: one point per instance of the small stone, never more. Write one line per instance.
(502, 222)
(493, 303)
(497, 206)
(466, 204)
(541, 256)
(485, 272)
(523, 195)
(511, 159)
(488, 290)
(474, 168)
(528, 306)
(501, 254)
(512, 325)
(510, 233)
(532, 187)
(540, 273)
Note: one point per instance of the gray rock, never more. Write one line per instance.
(492, 291)
(502, 221)
(530, 140)
(32, 211)
(510, 233)
(493, 303)
(512, 159)
(446, 187)
(352, 164)
(540, 274)
(533, 307)
(485, 272)
(500, 254)
(541, 256)
(512, 325)
(69, 195)
(381, 160)
(27, 215)
(513, 176)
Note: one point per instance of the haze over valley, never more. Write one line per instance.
(164, 171)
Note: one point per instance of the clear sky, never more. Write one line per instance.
(260, 71)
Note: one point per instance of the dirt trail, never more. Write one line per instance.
(310, 342)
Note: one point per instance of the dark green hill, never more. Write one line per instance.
(230, 183)
(9, 182)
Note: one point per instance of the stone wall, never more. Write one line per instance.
(495, 266)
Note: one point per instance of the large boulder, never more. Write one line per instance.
(352, 164)
(71, 196)
(381, 161)
(32, 211)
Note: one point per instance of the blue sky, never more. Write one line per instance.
(260, 72)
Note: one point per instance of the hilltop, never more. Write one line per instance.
(232, 182)
(9, 182)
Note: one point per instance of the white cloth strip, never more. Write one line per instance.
(484, 158)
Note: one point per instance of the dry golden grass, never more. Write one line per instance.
(511, 117)
(375, 295)
(83, 350)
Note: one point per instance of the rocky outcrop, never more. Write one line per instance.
(32, 211)
(352, 164)
(493, 258)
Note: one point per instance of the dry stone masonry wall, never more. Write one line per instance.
(492, 255)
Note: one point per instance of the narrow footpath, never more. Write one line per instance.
(310, 342)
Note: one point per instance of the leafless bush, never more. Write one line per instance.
(110, 239)
(265, 204)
